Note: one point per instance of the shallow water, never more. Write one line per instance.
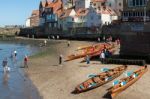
(15, 85)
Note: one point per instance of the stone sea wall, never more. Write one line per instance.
(9, 31)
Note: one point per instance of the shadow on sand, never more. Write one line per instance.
(107, 96)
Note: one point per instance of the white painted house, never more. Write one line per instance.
(66, 19)
(82, 4)
(87, 18)
(107, 15)
(28, 24)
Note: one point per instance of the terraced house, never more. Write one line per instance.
(136, 10)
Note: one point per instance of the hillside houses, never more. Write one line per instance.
(57, 14)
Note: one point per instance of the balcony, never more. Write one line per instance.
(135, 19)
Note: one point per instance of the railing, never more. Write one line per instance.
(123, 61)
(135, 19)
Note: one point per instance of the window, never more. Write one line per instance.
(110, 4)
(49, 24)
(72, 19)
(134, 3)
(130, 3)
(94, 4)
(99, 8)
(119, 4)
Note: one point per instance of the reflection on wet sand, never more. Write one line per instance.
(6, 78)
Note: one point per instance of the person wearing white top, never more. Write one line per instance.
(15, 53)
(102, 56)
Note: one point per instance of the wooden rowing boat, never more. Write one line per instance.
(116, 89)
(91, 46)
(89, 51)
(110, 48)
(100, 79)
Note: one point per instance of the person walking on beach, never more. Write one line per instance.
(45, 42)
(68, 43)
(26, 61)
(60, 59)
(102, 56)
(104, 39)
(5, 64)
(87, 59)
(98, 39)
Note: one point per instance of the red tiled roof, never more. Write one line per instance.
(107, 10)
(99, 0)
(43, 2)
(55, 5)
(65, 13)
(82, 12)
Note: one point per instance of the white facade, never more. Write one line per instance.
(82, 4)
(27, 24)
(106, 19)
(67, 21)
(89, 20)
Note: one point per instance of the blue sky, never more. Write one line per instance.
(16, 11)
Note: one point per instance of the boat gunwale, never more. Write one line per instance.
(98, 84)
(122, 88)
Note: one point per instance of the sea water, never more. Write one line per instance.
(14, 84)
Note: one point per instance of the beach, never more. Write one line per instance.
(54, 81)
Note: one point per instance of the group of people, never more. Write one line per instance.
(105, 54)
(13, 56)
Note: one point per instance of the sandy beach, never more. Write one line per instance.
(54, 81)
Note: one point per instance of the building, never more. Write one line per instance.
(34, 20)
(27, 24)
(66, 19)
(42, 6)
(136, 10)
(135, 28)
(116, 5)
(87, 17)
(98, 4)
(107, 15)
(82, 4)
(49, 13)
(68, 4)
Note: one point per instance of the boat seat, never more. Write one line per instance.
(97, 80)
(81, 87)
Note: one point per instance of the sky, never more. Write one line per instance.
(15, 12)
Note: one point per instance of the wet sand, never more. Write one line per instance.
(54, 81)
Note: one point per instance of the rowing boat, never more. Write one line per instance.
(89, 51)
(110, 48)
(100, 79)
(127, 81)
(91, 46)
